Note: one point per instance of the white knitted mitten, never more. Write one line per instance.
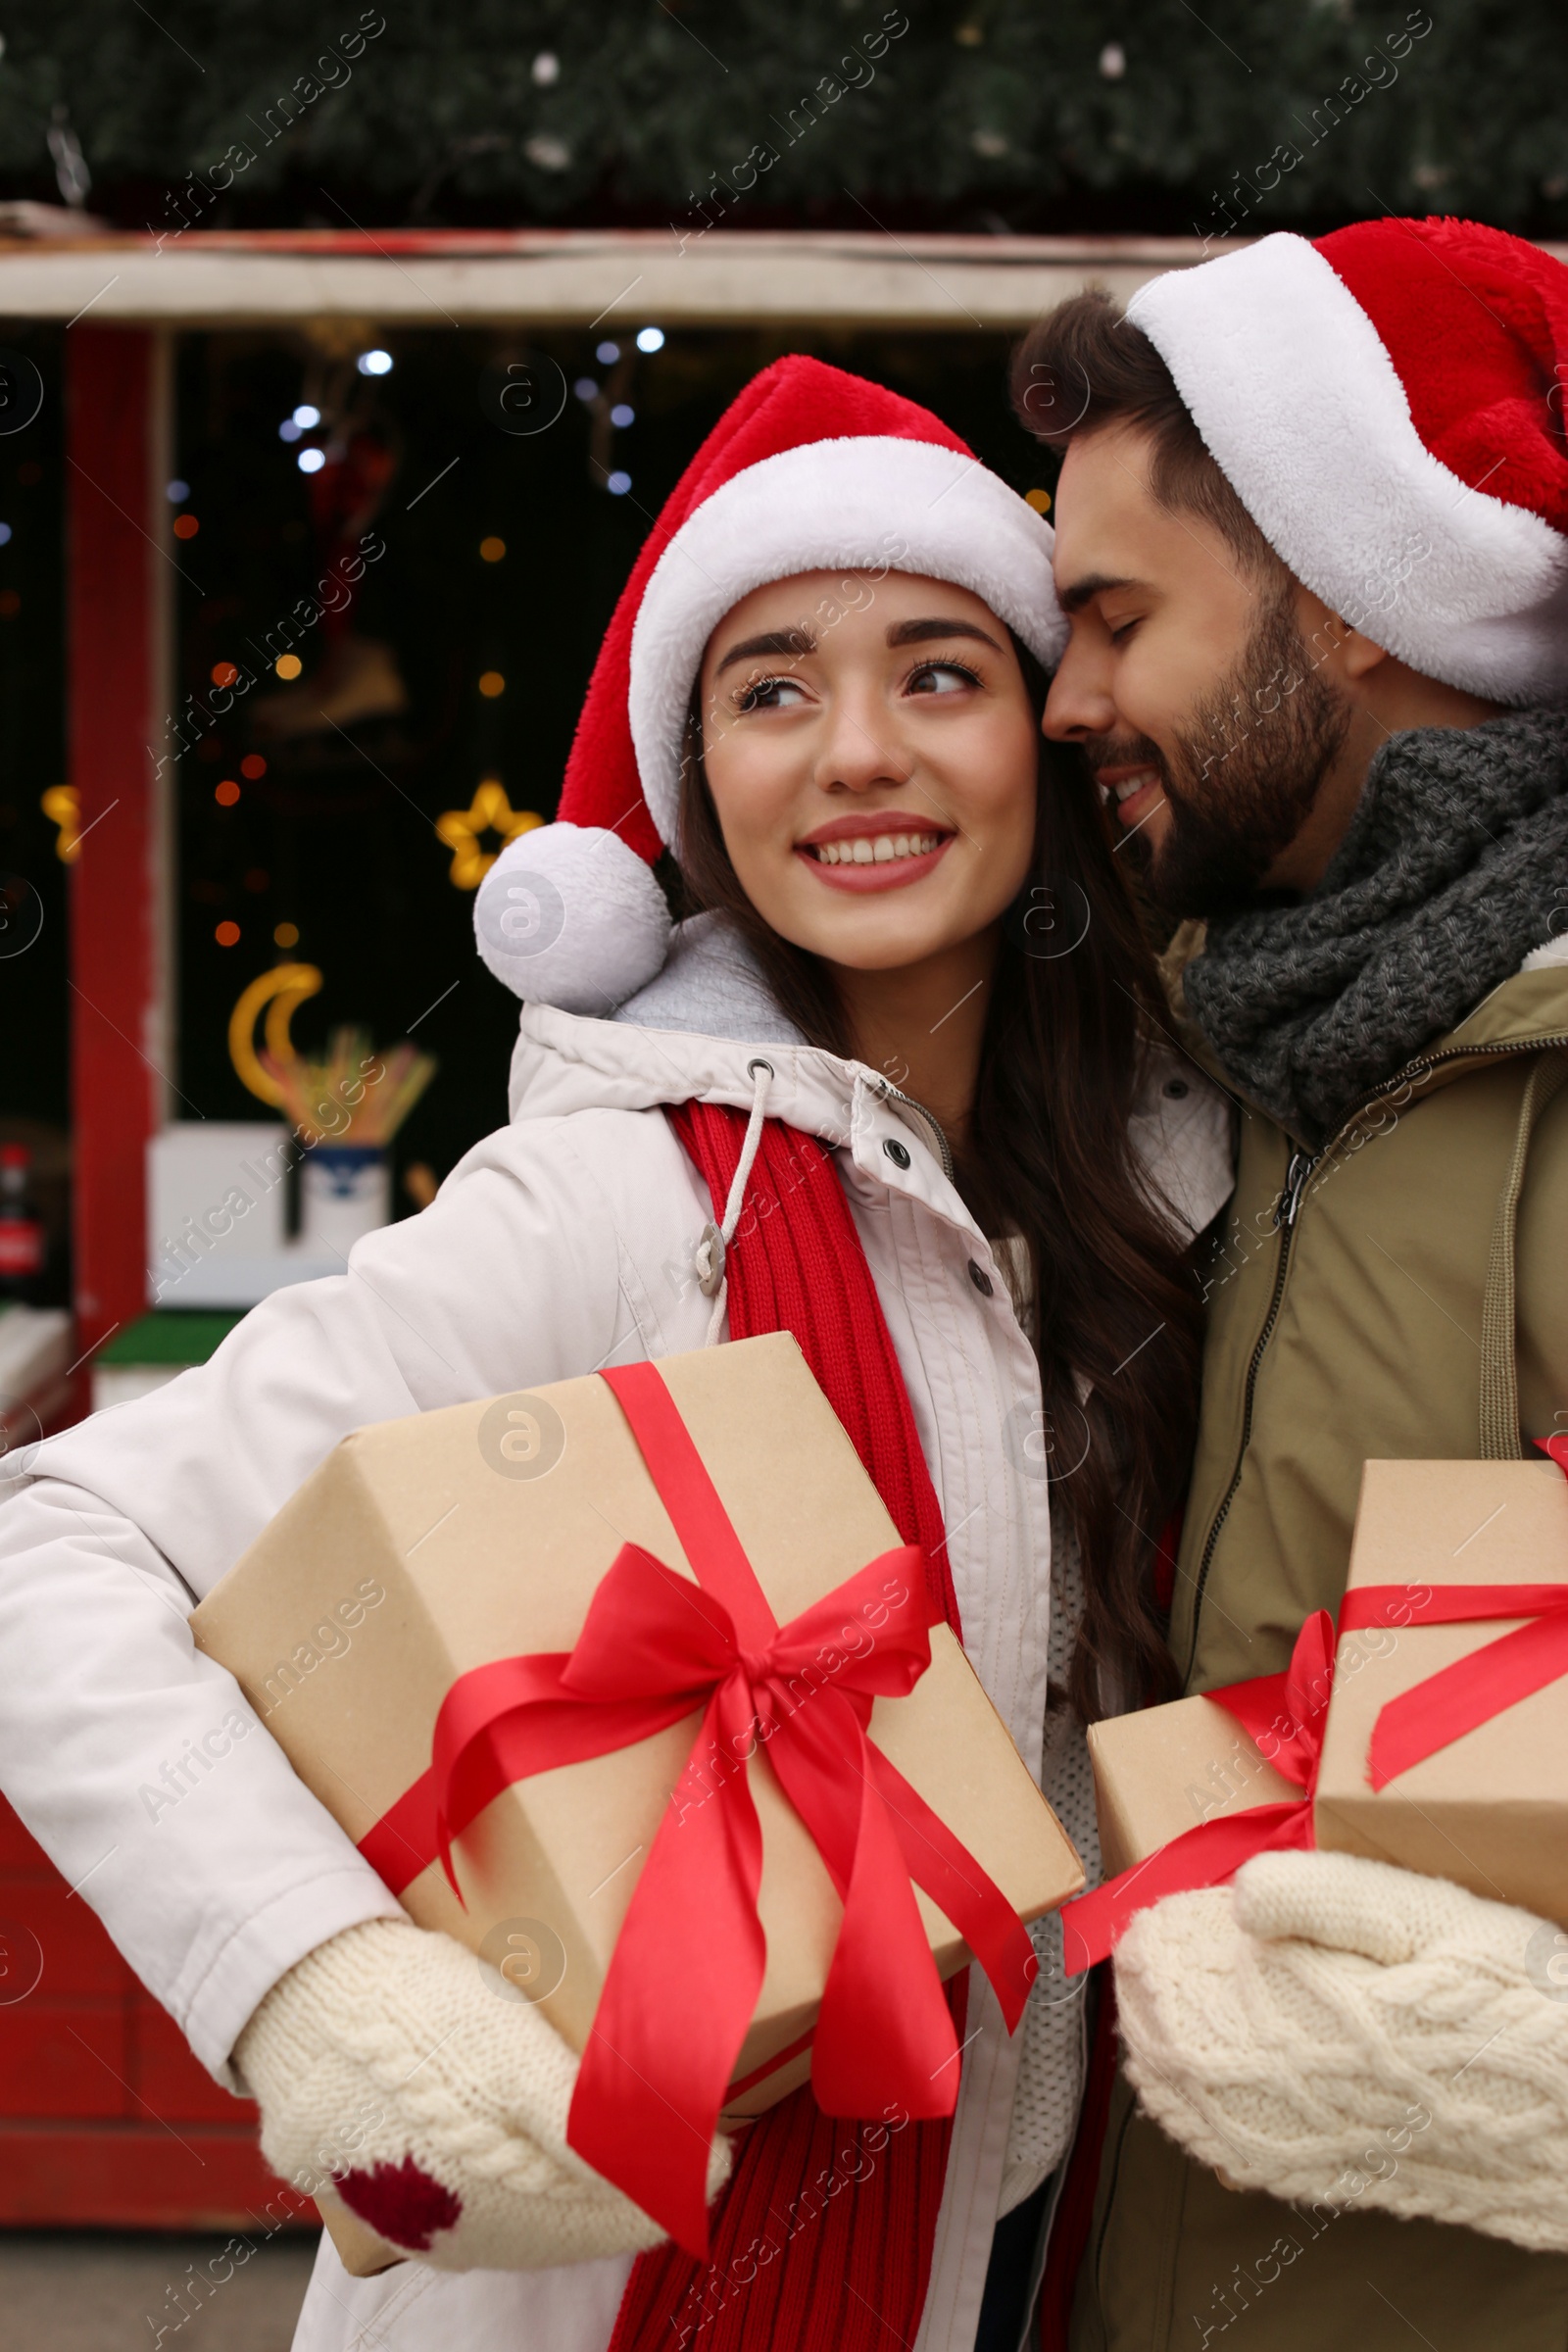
(394, 2067)
(1335, 2029)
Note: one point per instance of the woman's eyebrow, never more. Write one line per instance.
(921, 632)
(774, 641)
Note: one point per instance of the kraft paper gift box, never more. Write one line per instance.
(1491, 1810)
(423, 1548)
(1169, 1769)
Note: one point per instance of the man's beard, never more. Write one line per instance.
(1246, 771)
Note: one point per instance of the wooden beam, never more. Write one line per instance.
(682, 276)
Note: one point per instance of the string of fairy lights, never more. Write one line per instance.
(475, 835)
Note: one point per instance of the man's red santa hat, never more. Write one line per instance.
(810, 469)
(1388, 402)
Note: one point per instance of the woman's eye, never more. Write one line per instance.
(1122, 630)
(941, 678)
(769, 693)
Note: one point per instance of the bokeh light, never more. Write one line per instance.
(227, 793)
(491, 684)
(253, 765)
(288, 665)
(186, 526)
(492, 549)
(650, 338)
(227, 935)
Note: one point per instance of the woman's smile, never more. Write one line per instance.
(881, 849)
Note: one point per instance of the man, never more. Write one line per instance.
(1312, 532)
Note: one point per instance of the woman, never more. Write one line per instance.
(892, 1088)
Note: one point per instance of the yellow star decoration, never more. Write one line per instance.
(63, 808)
(489, 811)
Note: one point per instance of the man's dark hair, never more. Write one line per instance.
(1086, 367)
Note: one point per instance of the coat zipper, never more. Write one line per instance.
(1301, 1166)
(944, 1150)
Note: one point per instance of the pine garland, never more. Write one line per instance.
(742, 113)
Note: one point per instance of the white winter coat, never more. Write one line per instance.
(561, 1244)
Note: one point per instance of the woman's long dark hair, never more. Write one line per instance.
(1048, 1159)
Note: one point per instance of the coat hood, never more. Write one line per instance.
(700, 1030)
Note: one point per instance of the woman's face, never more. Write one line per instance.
(873, 759)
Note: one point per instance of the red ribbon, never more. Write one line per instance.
(687, 1969)
(1286, 1710)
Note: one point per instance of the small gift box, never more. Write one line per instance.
(1168, 1770)
(1446, 1747)
(1187, 1792)
(629, 1684)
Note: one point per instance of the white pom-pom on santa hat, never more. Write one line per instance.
(809, 469)
(1388, 402)
(570, 915)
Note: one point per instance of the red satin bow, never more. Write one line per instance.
(687, 1968)
(1287, 1712)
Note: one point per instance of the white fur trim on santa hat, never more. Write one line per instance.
(870, 503)
(1302, 407)
(568, 915)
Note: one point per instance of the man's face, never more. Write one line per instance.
(1186, 682)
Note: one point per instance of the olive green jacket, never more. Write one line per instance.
(1400, 1295)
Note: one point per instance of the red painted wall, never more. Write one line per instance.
(118, 542)
(106, 2118)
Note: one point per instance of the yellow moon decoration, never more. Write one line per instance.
(283, 990)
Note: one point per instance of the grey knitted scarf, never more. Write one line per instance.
(1449, 875)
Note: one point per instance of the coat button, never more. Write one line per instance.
(981, 1279)
(897, 1153)
(1176, 1088)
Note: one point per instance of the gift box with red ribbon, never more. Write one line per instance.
(1446, 1744)
(629, 1684)
(1430, 1729)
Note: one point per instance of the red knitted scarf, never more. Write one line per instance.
(823, 2240)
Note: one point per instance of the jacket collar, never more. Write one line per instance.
(700, 1029)
(693, 1033)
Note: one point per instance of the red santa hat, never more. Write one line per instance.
(1388, 402)
(809, 469)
